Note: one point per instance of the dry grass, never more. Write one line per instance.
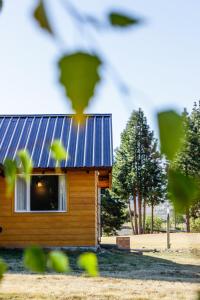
(159, 241)
(163, 275)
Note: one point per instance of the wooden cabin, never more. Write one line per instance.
(58, 207)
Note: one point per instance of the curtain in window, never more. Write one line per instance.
(62, 192)
(21, 192)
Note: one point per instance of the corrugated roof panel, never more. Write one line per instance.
(39, 141)
(88, 144)
(47, 142)
(72, 144)
(65, 135)
(15, 140)
(80, 147)
(97, 142)
(56, 136)
(107, 145)
(7, 139)
(32, 136)
(23, 141)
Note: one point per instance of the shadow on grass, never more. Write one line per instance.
(116, 264)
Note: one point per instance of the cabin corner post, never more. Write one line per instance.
(96, 211)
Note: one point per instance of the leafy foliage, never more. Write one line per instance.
(3, 267)
(182, 190)
(11, 166)
(171, 133)
(10, 170)
(187, 162)
(41, 17)
(27, 164)
(113, 213)
(58, 261)
(58, 151)
(157, 224)
(195, 225)
(88, 262)
(1, 5)
(121, 20)
(79, 74)
(35, 259)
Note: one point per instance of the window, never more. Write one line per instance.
(42, 193)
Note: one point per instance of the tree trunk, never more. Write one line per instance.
(144, 215)
(135, 213)
(140, 213)
(187, 220)
(131, 217)
(152, 218)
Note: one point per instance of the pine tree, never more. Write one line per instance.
(157, 182)
(188, 159)
(134, 170)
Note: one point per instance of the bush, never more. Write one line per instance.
(179, 219)
(195, 225)
(157, 224)
(113, 213)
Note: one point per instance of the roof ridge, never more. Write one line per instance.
(53, 115)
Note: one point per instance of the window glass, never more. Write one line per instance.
(41, 193)
(44, 193)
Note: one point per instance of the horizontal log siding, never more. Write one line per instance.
(76, 227)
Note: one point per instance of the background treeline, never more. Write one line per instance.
(140, 174)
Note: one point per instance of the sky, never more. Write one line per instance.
(158, 61)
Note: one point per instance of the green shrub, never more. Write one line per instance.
(157, 224)
(179, 219)
(195, 225)
(113, 213)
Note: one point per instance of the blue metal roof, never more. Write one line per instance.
(88, 144)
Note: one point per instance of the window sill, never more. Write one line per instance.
(40, 211)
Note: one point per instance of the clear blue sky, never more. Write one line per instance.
(159, 61)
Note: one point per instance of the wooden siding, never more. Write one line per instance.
(76, 227)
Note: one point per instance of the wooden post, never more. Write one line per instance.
(187, 220)
(135, 213)
(168, 229)
(139, 213)
(152, 218)
(144, 215)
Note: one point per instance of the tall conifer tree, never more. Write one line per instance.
(136, 168)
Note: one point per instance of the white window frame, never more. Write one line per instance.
(28, 196)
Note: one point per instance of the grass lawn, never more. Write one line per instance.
(159, 275)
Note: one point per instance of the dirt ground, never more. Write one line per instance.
(154, 275)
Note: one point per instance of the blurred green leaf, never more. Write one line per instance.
(122, 20)
(171, 132)
(27, 164)
(182, 190)
(41, 17)
(79, 74)
(35, 259)
(58, 261)
(58, 151)
(88, 262)
(1, 5)
(3, 267)
(10, 170)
